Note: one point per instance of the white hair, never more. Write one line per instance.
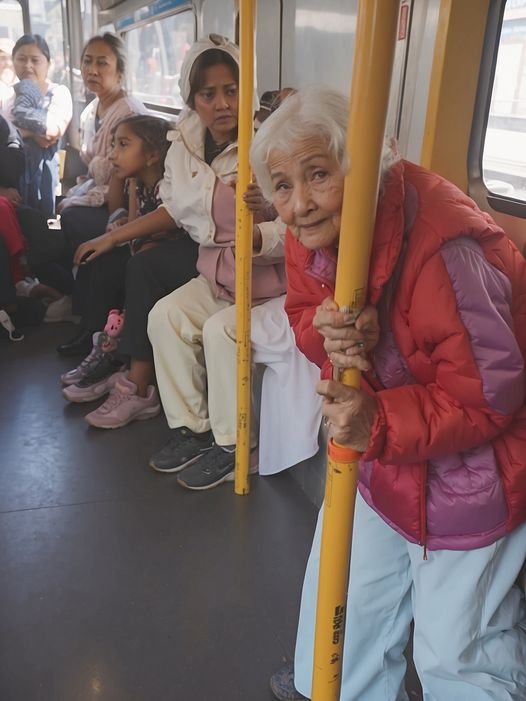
(312, 112)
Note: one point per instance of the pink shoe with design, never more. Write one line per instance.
(124, 405)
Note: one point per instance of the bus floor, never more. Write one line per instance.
(116, 584)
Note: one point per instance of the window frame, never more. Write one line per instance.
(26, 22)
(476, 186)
(123, 26)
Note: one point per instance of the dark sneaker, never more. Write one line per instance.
(183, 448)
(282, 684)
(105, 366)
(86, 366)
(217, 466)
(80, 344)
(97, 382)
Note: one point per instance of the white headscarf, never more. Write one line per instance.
(212, 41)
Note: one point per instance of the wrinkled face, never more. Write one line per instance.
(216, 102)
(30, 62)
(128, 155)
(307, 186)
(99, 68)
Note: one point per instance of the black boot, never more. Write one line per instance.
(81, 344)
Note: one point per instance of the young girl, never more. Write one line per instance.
(133, 278)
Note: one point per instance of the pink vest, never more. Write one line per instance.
(217, 263)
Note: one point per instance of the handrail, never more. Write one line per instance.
(372, 68)
(244, 245)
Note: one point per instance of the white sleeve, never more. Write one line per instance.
(273, 239)
(165, 186)
(60, 109)
(87, 130)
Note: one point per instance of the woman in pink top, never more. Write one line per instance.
(84, 210)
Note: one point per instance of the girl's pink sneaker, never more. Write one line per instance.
(124, 405)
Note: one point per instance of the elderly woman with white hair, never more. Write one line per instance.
(439, 532)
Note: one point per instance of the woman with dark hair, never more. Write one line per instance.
(84, 210)
(42, 111)
(103, 65)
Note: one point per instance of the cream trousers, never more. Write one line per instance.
(184, 328)
(193, 338)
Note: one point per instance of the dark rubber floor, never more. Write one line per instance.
(116, 584)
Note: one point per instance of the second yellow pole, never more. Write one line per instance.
(373, 61)
(244, 245)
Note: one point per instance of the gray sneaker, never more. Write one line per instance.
(183, 449)
(86, 366)
(215, 467)
(282, 684)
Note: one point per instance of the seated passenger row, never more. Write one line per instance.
(41, 121)
(118, 148)
(192, 330)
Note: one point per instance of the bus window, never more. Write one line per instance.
(504, 158)
(11, 19)
(46, 20)
(156, 51)
(87, 19)
(308, 28)
(11, 27)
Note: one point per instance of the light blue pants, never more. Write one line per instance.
(470, 619)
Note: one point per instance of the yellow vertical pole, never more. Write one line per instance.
(453, 88)
(244, 245)
(373, 61)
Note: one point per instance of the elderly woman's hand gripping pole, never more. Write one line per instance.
(349, 412)
(348, 338)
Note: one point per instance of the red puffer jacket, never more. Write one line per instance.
(446, 463)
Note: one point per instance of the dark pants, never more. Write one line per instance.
(100, 286)
(80, 224)
(46, 248)
(145, 278)
(44, 245)
(7, 288)
(28, 311)
(56, 276)
(41, 177)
